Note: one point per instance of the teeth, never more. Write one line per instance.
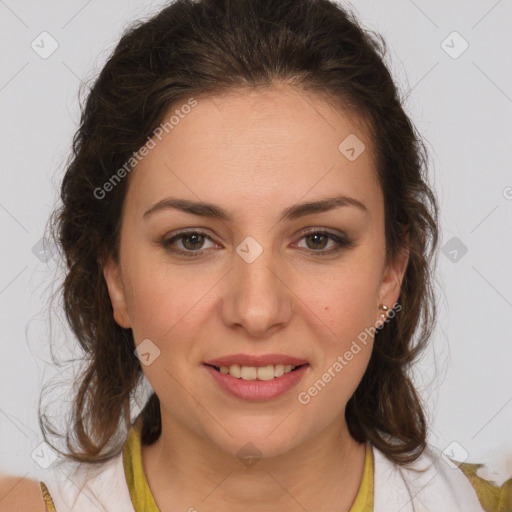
(279, 370)
(256, 373)
(266, 372)
(248, 372)
(235, 371)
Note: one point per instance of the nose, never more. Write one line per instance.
(256, 296)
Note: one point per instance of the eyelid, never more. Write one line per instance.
(319, 229)
(305, 231)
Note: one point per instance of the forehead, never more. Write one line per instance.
(263, 147)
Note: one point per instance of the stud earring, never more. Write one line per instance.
(385, 308)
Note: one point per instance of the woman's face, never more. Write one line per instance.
(255, 282)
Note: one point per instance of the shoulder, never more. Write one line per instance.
(82, 487)
(79, 487)
(20, 494)
(433, 482)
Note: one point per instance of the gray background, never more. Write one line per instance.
(462, 104)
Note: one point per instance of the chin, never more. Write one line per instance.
(259, 439)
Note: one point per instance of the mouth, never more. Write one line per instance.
(256, 378)
(251, 373)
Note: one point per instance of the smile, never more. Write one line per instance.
(256, 383)
(268, 372)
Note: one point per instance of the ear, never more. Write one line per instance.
(392, 278)
(116, 291)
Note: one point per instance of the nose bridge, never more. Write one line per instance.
(257, 298)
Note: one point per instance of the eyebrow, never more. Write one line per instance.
(213, 211)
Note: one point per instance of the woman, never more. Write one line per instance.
(247, 225)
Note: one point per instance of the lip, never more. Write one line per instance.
(257, 390)
(262, 360)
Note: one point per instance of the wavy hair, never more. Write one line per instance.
(208, 47)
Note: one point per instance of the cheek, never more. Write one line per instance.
(165, 308)
(346, 307)
(166, 303)
(346, 304)
(345, 300)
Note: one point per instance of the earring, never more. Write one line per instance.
(385, 308)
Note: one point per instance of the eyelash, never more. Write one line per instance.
(342, 241)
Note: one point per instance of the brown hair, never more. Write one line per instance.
(206, 47)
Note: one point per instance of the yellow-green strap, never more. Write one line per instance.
(50, 507)
(364, 498)
(140, 493)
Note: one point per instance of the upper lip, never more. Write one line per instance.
(262, 360)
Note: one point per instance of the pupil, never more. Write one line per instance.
(194, 244)
(316, 236)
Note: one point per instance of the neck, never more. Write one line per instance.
(322, 473)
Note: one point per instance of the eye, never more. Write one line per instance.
(316, 241)
(191, 241)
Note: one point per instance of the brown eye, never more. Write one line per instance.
(192, 243)
(317, 241)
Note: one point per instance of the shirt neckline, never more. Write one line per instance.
(142, 498)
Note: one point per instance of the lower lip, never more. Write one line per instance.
(258, 389)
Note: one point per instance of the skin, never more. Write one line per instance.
(254, 153)
(19, 494)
